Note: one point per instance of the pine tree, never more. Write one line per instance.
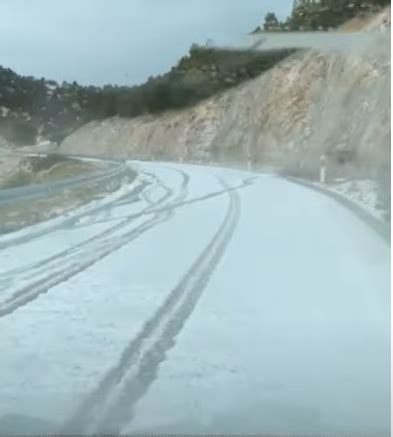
(271, 21)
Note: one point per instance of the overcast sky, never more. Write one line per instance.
(118, 41)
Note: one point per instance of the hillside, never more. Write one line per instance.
(333, 102)
(280, 107)
(318, 15)
(311, 103)
(33, 110)
(36, 109)
(369, 22)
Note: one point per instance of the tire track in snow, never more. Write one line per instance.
(244, 184)
(68, 270)
(109, 407)
(10, 276)
(64, 269)
(70, 221)
(6, 279)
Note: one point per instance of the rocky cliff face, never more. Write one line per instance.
(329, 102)
(332, 100)
(314, 103)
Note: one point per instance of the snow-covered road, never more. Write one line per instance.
(199, 300)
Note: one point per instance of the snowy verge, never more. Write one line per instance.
(77, 213)
(361, 201)
(362, 192)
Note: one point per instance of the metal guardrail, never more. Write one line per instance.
(34, 191)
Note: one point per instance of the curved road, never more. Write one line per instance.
(200, 300)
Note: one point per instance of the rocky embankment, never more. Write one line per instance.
(332, 102)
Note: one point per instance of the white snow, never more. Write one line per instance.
(116, 296)
(4, 111)
(291, 330)
(89, 208)
(363, 193)
(51, 87)
(291, 333)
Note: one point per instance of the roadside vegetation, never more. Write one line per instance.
(31, 108)
(320, 15)
(34, 170)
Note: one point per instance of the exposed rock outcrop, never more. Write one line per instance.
(313, 103)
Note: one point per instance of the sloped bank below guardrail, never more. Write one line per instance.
(382, 229)
(28, 205)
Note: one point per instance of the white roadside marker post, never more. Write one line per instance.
(322, 170)
(249, 161)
